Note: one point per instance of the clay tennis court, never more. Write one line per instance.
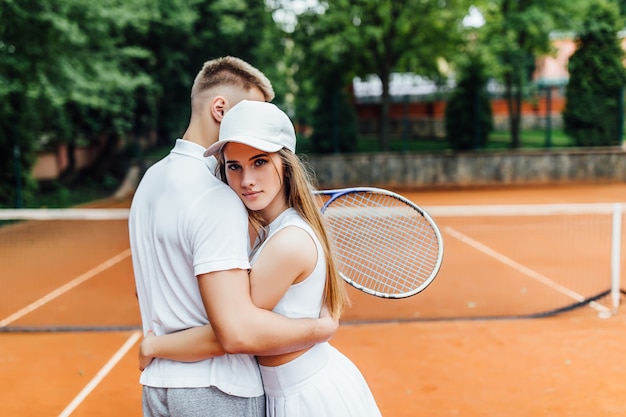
(568, 364)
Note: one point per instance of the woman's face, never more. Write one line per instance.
(257, 178)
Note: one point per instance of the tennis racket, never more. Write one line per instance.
(384, 244)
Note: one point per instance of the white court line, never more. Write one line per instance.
(65, 288)
(100, 375)
(523, 269)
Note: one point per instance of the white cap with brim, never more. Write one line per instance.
(257, 124)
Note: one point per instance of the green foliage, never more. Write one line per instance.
(54, 194)
(110, 72)
(322, 75)
(183, 34)
(516, 32)
(468, 118)
(334, 123)
(343, 38)
(597, 78)
(64, 79)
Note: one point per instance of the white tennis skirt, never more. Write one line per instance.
(322, 382)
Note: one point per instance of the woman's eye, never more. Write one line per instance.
(259, 162)
(232, 167)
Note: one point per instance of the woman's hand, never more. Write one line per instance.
(144, 350)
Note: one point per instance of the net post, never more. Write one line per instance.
(616, 235)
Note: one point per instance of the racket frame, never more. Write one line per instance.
(337, 193)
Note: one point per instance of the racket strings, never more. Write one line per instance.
(381, 246)
(381, 242)
(418, 262)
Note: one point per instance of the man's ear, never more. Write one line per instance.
(218, 108)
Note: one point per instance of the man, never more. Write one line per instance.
(189, 243)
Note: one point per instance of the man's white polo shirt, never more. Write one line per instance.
(185, 222)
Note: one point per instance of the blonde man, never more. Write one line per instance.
(189, 243)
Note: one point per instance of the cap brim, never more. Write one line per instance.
(215, 148)
(256, 143)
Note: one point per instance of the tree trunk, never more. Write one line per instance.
(384, 114)
(516, 118)
(106, 159)
(514, 104)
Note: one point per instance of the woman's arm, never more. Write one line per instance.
(287, 258)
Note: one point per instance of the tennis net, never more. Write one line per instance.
(70, 269)
(514, 261)
(66, 269)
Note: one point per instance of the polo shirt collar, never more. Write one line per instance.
(193, 150)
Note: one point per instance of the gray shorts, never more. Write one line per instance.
(199, 402)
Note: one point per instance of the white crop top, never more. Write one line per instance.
(303, 299)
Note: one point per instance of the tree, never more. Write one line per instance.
(62, 80)
(593, 113)
(517, 31)
(334, 122)
(322, 72)
(74, 72)
(183, 34)
(368, 37)
(468, 117)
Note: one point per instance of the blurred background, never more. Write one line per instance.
(90, 89)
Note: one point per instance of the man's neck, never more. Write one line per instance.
(200, 136)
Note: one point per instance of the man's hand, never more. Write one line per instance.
(144, 348)
(330, 324)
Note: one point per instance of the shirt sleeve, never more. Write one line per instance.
(218, 226)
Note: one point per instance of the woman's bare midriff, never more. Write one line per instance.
(279, 359)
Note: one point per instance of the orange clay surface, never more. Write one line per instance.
(568, 365)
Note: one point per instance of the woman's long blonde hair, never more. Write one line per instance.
(298, 188)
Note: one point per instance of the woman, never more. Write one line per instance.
(293, 271)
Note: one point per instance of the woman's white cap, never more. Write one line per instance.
(258, 124)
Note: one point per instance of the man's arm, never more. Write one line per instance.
(190, 345)
(241, 327)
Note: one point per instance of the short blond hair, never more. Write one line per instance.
(234, 72)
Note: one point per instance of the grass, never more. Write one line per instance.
(501, 140)
(531, 139)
